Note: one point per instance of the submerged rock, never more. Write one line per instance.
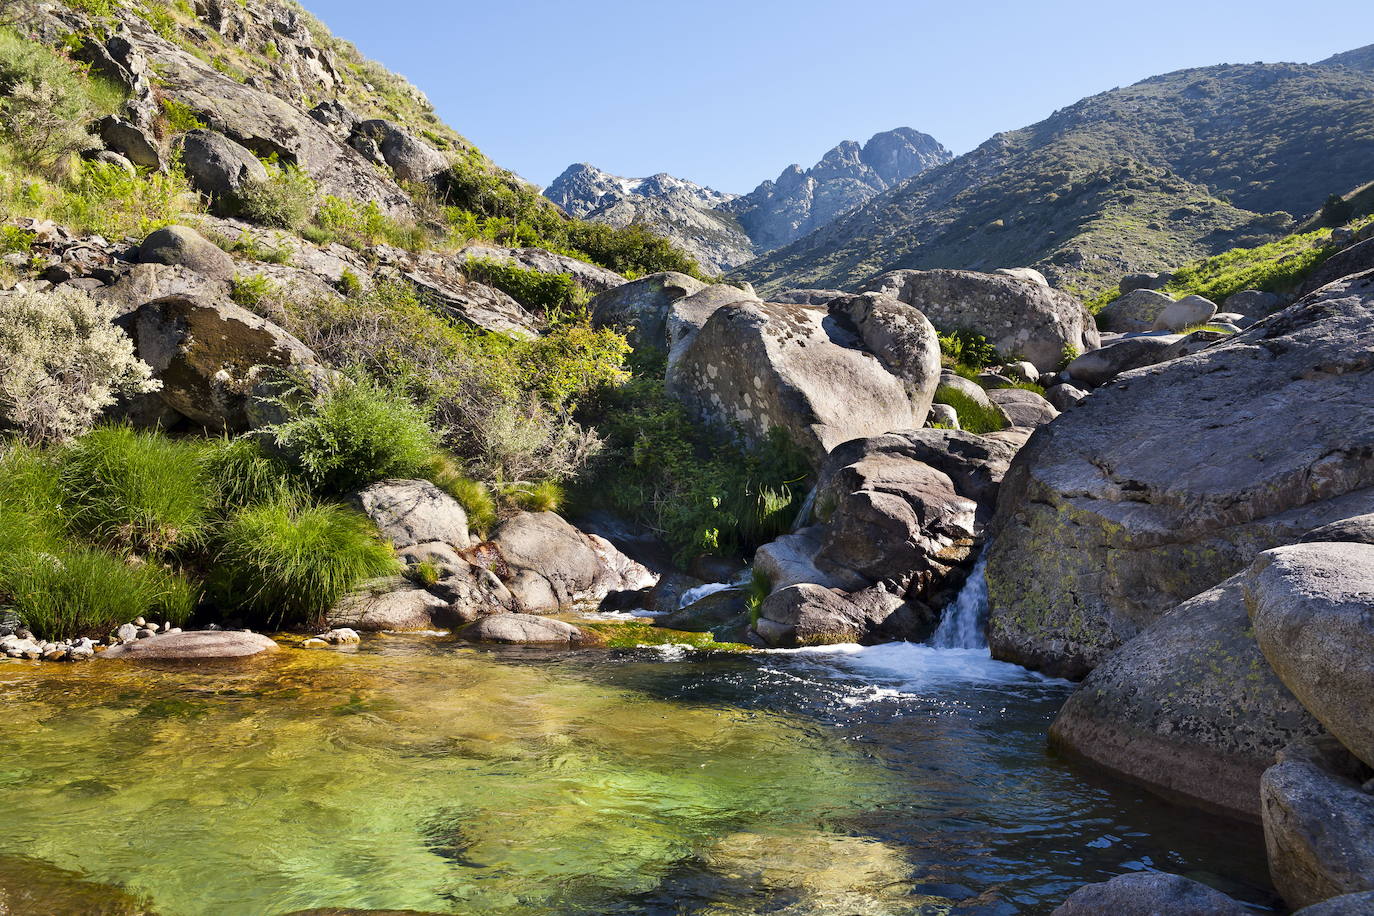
(522, 628)
(1150, 894)
(196, 644)
(1112, 515)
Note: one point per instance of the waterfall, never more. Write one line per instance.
(962, 626)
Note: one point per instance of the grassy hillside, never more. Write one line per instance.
(1176, 167)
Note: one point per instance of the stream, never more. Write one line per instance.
(419, 773)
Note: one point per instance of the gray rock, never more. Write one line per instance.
(1024, 273)
(688, 315)
(1310, 607)
(185, 247)
(1064, 395)
(193, 645)
(549, 565)
(1144, 281)
(1318, 831)
(216, 165)
(590, 277)
(520, 629)
(1198, 341)
(1361, 904)
(944, 415)
(109, 157)
(1185, 313)
(1102, 528)
(1357, 530)
(1150, 894)
(811, 372)
(1023, 408)
(810, 615)
(1101, 366)
(1188, 708)
(208, 355)
(1022, 319)
(410, 512)
(410, 158)
(641, 306)
(131, 142)
(1353, 260)
(725, 608)
(791, 560)
(392, 604)
(808, 296)
(127, 632)
(474, 304)
(1137, 310)
(1023, 371)
(1252, 302)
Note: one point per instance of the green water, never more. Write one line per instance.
(423, 775)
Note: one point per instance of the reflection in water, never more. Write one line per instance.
(420, 774)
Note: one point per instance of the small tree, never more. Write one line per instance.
(65, 362)
(1337, 211)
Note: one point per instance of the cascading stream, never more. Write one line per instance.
(964, 625)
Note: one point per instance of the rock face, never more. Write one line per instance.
(1189, 708)
(641, 306)
(199, 644)
(182, 246)
(1319, 833)
(520, 629)
(208, 353)
(866, 365)
(811, 615)
(1021, 318)
(216, 165)
(1345, 905)
(1135, 311)
(1312, 607)
(410, 512)
(409, 158)
(1150, 894)
(1101, 528)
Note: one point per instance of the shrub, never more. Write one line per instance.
(349, 284)
(286, 198)
(572, 363)
(252, 291)
(107, 200)
(355, 433)
(968, 348)
(974, 417)
(14, 240)
(531, 288)
(137, 491)
(361, 226)
(82, 591)
(178, 116)
(44, 104)
(65, 362)
(288, 564)
(1337, 211)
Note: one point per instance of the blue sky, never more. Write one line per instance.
(728, 92)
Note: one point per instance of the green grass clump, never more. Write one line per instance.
(31, 516)
(361, 226)
(284, 563)
(474, 496)
(973, 416)
(81, 590)
(252, 291)
(755, 593)
(107, 200)
(178, 116)
(242, 475)
(354, 434)
(137, 491)
(541, 496)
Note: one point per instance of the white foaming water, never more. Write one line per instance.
(693, 595)
(963, 625)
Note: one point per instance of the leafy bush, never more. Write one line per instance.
(968, 348)
(287, 564)
(361, 226)
(355, 433)
(65, 362)
(107, 200)
(178, 116)
(572, 363)
(531, 288)
(81, 591)
(137, 491)
(973, 416)
(285, 198)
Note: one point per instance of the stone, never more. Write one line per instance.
(1021, 318)
(1318, 832)
(1101, 366)
(810, 615)
(1188, 708)
(1357, 530)
(130, 141)
(392, 604)
(688, 315)
(1310, 605)
(520, 629)
(1024, 273)
(590, 277)
(197, 644)
(1064, 395)
(810, 371)
(127, 632)
(216, 165)
(339, 636)
(1144, 281)
(185, 247)
(208, 354)
(1101, 528)
(641, 307)
(808, 296)
(791, 560)
(410, 158)
(1135, 311)
(474, 304)
(1355, 259)
(1361, 904)
(1186, 313)
(1022, 407)
(548, 565)
(944, 415)
(118, 160)
(1253, 303)
(725, 608)
(1150, 894)
(411, 512)
(1023, 371)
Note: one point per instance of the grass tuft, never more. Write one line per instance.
(973, 416)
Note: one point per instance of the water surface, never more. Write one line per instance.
(421, 774)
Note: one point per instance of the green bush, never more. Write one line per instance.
(968, 348)
(137, 491)
(107, 200)
(286, 564)
(1276, 267)
(242, 475)
(354, 434)
(973, 416)
(45, 104)
(82, 591)
(285, 199)
(531, 288)
(361, 226)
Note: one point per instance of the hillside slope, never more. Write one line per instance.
(1172, 168)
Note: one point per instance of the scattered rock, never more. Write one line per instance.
(522, 628)
(1343, 264)
(1319, 833)
(410, 158)
(216, 165)
(193, 645)
(1150, 894)
(1101, 366)
(1022, 407)
(392, 603)
(1251, 302)
(411, 512)
(549, 565)
(1064, 395)
(1135, 311)
(1345, 905)
(1357, 530)
(1144, 281)
(185, 247)
(1186, 313)
(944, 415)
(131, 142)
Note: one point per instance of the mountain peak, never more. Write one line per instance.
(1357, 59)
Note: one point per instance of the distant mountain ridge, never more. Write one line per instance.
(1175, 167)
(726, 230)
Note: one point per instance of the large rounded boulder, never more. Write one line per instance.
(862, 366)
(182, 246)
(1135, 311)
(1176, 476)
(216, 165)
(641, 306)
(1020, 317)
(1318, 831)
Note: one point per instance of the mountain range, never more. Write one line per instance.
(726, 230)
